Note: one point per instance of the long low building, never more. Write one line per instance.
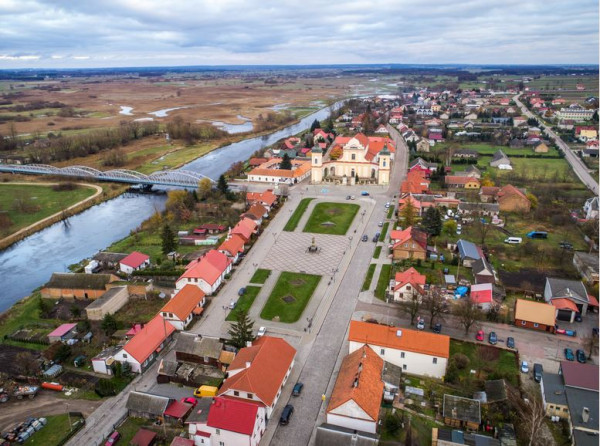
(270, 172)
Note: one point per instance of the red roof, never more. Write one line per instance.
(593, 300)
(149, 338)
(583, 376)
(509, 190)
(257, 161)
(411, 276)
(407, 234)
(180, 441)
(209, 268)
(564, 304)
(134, 330)
(233, 245)
(135, 259)
(143, 437)
(212, 227)
(452, 179)
(481, 293)
(184, 302)
(267, 197)
(242, 230)
(177, 409)
(233, 415)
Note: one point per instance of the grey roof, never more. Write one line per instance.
(460, 437)
(499, 158)
(108, 352)
(109, 257)
(106, 297)
(554, 389)
(198, 345)
(167, 368)
(484, 207)
(330, 435)
(467, 250)
(495, 390)
(465, 152)
(585, 438)
(391, 374)
(79, 281)
(464, 409)
(577, 399)
(199, 414)
(481, 266)
(589, 260)
(567, 288)
(147, 403)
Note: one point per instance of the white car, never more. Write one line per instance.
(380, 224)
(421, 324)
(387, 205)
(524, 367)
(261, 331)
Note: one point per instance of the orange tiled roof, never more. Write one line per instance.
(149, 338)
(564, 304)
(209, 268)
(410, 340)
(509, 190)
(258, 210)
(184, 302)
(233, 245)
(410, 233)
(411, 276)
(270, 359)
(359, 380)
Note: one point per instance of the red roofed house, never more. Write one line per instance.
(207, 273)
(512, 199)
(266, 198)
(356, 396)
(415, 183)
(232, 247)
(411, 243)
(258, 373)
(481, 295)
(417, 352)
(407, 284)
(256, 212)
(255, 162)
(462, 182)
(320, 135)
(133, 262)
(177, 411)
(144, 347)
(182, 307)
(62, 333)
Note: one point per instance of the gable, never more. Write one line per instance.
(351, 409)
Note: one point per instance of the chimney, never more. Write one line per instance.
(585, 415)
(248, 364)
(248, 343)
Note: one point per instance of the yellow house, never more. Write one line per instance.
(541, 148)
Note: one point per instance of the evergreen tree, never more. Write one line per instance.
(432, 221)
(315, 125)
(168, 239)
(285, 164)
(222, 185)
(408, 214)
(241, 330)
(109, 324)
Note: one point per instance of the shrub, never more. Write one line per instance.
(460, 361)
(105, 387)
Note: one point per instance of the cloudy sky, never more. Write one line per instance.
(115, 33)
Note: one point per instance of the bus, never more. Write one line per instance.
(537, 234)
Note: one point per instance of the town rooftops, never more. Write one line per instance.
(149, 338)
(536, 312)
(583, 408)
(509, 190)
(62, 330)
(182, 304)
(269, 360)
(143, 437)
(109, 257)
(199, 414)
(177, 409)
(567, 288)
(468, 250)
(147, 403)
(583, 376)
(464, 409)
(554, 389)
(400, 339)
(80, 281)
(135, 259)
(233, 415)
(209, 268)
(106, 297)
(359, 380)
(198, 345)
(398, 237)
(564, 304)
(267, 197)
(233, 245)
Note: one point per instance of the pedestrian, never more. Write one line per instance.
(323, 397)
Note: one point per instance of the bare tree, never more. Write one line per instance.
(481, 226)
(468, 314)
(411, 307)
(435, 304)
(532, 416)
(590, 343)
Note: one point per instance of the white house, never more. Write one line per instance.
(590, 208)
(407, 284)
(206, 273)
(417, 352)
(182, 307)
(134, 262)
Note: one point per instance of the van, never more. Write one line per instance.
(513, 240)
(286, 414)
(205, 391)
(538, 371)
(537, 234)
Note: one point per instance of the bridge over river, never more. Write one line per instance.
(174, 178)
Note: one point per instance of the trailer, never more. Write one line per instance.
(25, 391)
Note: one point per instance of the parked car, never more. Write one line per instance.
(566, 245)
(562, 331)
(538, 372)
(112, 439)
(492, 338)
(580, 356)
(569, 356)
(261, 331)
(420, 324)
(297, 390)
(524, 367)
(231, 305)
(241, 291)
(510, 342)
(352, 197)
(190, 400)
(437, 328)
(387, 205)
(364, 193)
(480, 335)
(348, 197)
(288, 410)
(365, 238)
(376, 237)
(380, 224)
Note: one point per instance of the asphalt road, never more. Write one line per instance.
(577, 164)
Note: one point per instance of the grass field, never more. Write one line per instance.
(488, 361)
(331, 218)
(290, 296)
(130, 427)
(368, 277)
(27, 204)
(24, 313)
(147, 243)
(292, 223)
(54, 432)
(244, 302)
(384, 230)
(260, 276)
(390, 212)
(377, 252)
(383, 282)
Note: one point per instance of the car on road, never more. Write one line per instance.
(380, 224)
(376, 237)
(492, 338)
(286, 414)
(352, 197)
(112, 439)
(364, 193)
(348, 197)
(437, 328)
(190, 400)
(569, 356)
(261, 331)
(538, 372)
(420, 324)
(580, 356)
(510, 342)
(524, 367)
(480, 335)
(365, 238)
(387, 205)
(297, 390)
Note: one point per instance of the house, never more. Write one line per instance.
(589, 153)
(62, 333)
(109, 260)
(357, 393)
(519, 121)
(415, 183)
(470, 171)
(411, 243)
(512, 199)
(535, 315)
(462, 182)
(407, 284)
(134, 262)
(423, 146)
(590, 209)
(461, 412)
(144, 347)
(259, 372)
(232, 247)
(183, 306)
(501, 161)
(255, 162)
(586, 133)
(481, 296)
(587, 265)
(143, 437)
(103, 361)
(576, 113)
(417, 352)
(322, 136)
(211, 228)
(207, 273)
(146, 405)
(257, 212)
(77, 285)
(488, 194)
(177, 412)
(483, 272)
(267, 198)
(541, 148)
(270, 172)
(569, 296)
(109, 303)
(479, 209)
(419, 164)
(468, 252)
(198, 349)
(554, 397)
(330, 435)
(381, 129)
(447, 437)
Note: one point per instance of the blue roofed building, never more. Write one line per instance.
(469, 252)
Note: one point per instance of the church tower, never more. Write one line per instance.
(316, 172)
(384, 166)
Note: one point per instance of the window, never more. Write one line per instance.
(407, 287)
(353, 156)
(124, 355)
(565, 410)
(403, 366)
(435, 360)
(206, 359)
(221, 443)
(402, 354)
(384, 163)
(536, 325)
(236, 393)
(523, 322)
(218, 431)
(382, 352)
(250, 396)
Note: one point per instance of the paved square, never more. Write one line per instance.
(289, 253)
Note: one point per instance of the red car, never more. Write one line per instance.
(480, 335)
(114, 437)
(190, 400)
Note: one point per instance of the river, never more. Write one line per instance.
(30, 263)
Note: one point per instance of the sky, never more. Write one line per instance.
(126, 33)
